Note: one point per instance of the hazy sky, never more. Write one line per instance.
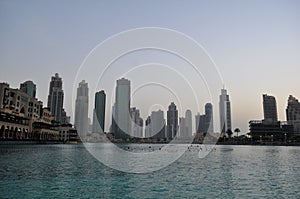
(255, 44)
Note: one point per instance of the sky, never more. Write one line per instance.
(255, 45)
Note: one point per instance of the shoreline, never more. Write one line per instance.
(10, 142)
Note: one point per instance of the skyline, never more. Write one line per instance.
(254, 58)
(269, 108)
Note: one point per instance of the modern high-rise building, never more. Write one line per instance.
(148, 127)
(81, 109)
(197, 121)
(189, 123)
(293, 114)
(270, 109)
(99, 112)
(29, 88)
(202, 124)
(157, 124)
(136, 123)
(172, 121)
(56, 97)
(122, 109)
(65, 119)
(225, 111)
(209, 121)
(113, 126)
(183, 128)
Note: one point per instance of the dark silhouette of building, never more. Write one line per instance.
(56, 97)
(209, 122)
(270, 108)
(293, 114)
(99, 112)
(29, 88)
(172, 121)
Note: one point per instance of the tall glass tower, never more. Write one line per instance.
(56, 97)
(99, 112)
(122, 109)
(189, 123)
(157, 124)
(172, 121)
(81, 109)
(270, 108)
(209, 121)
(293, 113)
(225, 111)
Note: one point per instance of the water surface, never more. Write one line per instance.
(68, 171)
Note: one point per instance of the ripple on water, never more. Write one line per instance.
(68, 171)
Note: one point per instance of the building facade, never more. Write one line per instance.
(183, 127)
(293, 114)
(209, 118)
(136, 123)
(225, 111)
(122, 109)
(23, 117)
(270, 109)
(189, 123)
(157, 125)
(99, 112)
(172, 121)
(56, 97)
(148, 132)
(81, 109)
(29, 88)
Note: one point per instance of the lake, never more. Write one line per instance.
(70, 171)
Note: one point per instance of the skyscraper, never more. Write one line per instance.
(225, 111)
(189, 123)
(172, 121)
(122, 108)
(81, 109)
(293, 114)
(148, 127)
(209, 122)
(28, 87)
(56, 97)
(270, 109)
(99, 112)
(197, 120)
(202, 124)
(183, 128)
(157, 124)
(136, 123)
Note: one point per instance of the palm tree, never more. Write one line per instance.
(237, 130)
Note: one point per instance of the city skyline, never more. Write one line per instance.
(253, 58)
(268, 104)
(150, 99)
